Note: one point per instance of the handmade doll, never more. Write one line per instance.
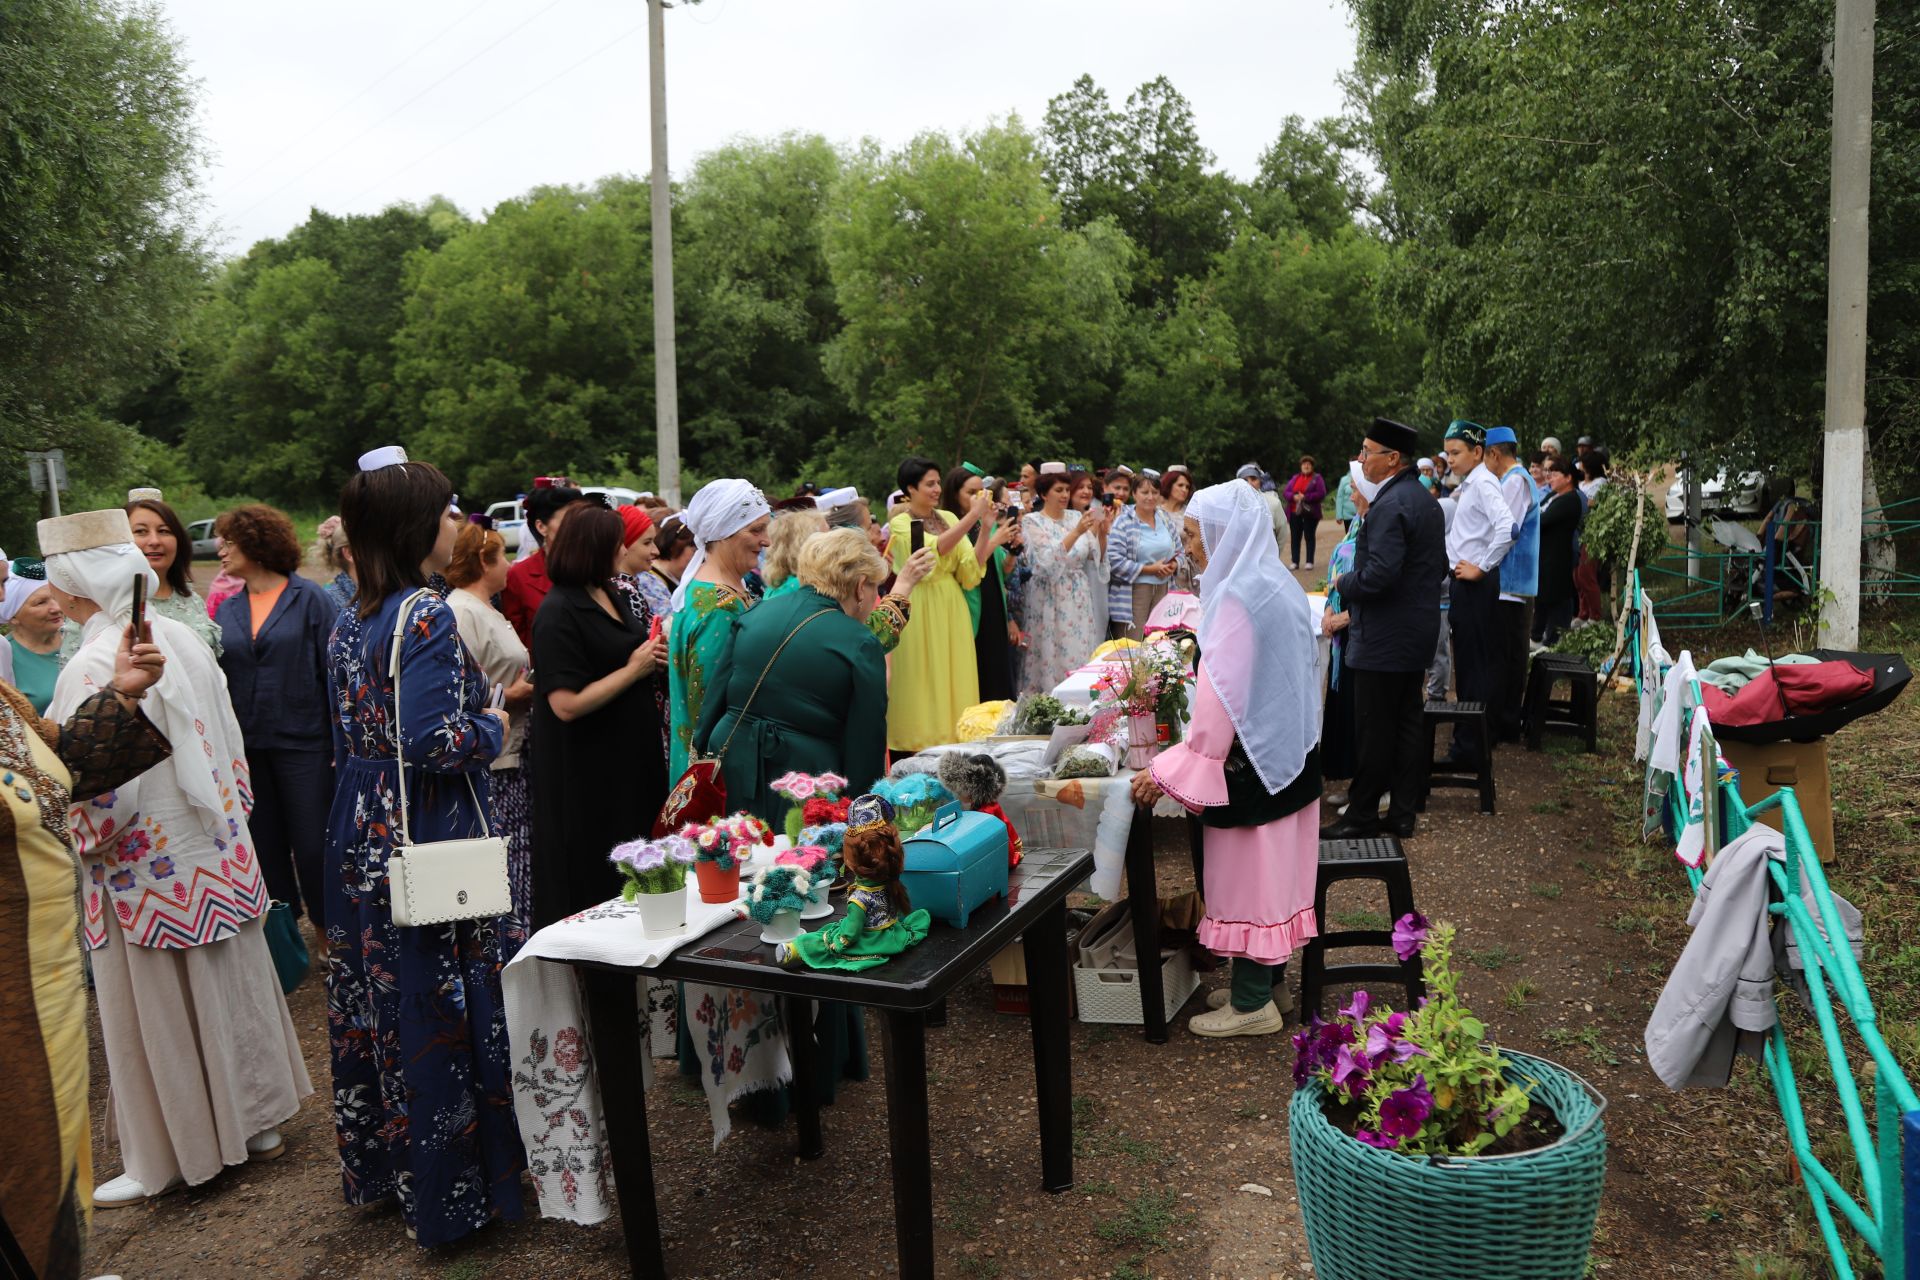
(978, 781)
(877, 924)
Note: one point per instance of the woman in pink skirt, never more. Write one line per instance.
(1250, 764)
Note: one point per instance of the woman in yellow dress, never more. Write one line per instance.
(934, 677)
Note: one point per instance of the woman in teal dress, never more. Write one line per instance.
(729, 521)
(801, 683)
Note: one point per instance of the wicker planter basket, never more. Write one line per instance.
(1373, 1213)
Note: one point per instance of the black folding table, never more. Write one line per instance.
(902, 991)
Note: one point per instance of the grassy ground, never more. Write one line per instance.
(1875, 773)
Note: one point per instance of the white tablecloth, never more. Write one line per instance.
(556, 1092)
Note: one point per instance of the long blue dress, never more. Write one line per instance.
(423, 1100)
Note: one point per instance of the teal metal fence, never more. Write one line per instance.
(1712, 586)
(1881, 1207)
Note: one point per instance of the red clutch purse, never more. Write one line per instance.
(699, 796)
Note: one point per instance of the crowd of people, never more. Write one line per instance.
(252, 746)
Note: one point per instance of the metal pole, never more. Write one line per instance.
(666, 390)
(1846, 414)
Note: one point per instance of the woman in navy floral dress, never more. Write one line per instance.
(422, 1099)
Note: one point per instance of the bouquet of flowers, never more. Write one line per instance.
(653, 866)
(1147, 680)
(1420, 1083)
(729, 841)
(781, 887)
(802, 788)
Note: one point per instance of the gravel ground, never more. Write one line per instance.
(1181, 1163)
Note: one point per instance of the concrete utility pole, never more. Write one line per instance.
(666, 384)
(1846, 417)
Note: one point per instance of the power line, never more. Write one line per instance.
(365, 89)
(495, 115)
(358, 137)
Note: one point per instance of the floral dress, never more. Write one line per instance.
(699, 635)
(422, 1104)
(1066, 619)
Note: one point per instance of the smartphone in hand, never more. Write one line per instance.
(140, 608)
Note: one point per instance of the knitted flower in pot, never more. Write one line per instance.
(775, 897)
(655, 873)
(801, 788)
(820, 869)
(720, 847)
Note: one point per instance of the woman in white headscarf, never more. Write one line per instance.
(201, 1053)
(1250, 764)
(728, 520)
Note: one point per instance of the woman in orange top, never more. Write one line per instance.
(273, 649)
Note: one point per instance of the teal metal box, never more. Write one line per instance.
(956, 863)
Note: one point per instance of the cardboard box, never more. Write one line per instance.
(1009, 973)
(1767, 767)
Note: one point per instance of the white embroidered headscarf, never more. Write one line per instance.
(721, 509)
(1257, 629)
(189, 704)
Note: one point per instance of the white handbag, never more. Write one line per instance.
(448, 879)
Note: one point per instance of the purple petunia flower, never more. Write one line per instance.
(1356, 1008)
(1373, 1139)
(1328, 1041)
(1409, 935)
(1350, 1070)
(1405, 1110)
(1387, 1038)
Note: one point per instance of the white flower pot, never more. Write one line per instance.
(784, 927)
(663, 914)
(818, 908)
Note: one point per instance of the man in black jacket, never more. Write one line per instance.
(1393, 601)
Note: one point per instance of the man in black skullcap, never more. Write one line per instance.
(1392, 595)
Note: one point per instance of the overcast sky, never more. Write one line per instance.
(355, 104)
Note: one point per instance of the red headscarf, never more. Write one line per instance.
(637, 522)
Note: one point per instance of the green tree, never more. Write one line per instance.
(1615, 214)
(98, 258)
(289, 364)
(527, 345)
(1144, 168)
(969, 309)
(757, 307)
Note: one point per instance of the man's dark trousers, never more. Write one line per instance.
(1477, 649)
(1392, 744)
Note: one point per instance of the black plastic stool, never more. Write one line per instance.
(1377, 858)
(1441, 773)
(1579, 714)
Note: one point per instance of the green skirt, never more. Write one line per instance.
(872, 947)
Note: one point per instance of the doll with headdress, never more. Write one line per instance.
(878, 923)
(978, 782)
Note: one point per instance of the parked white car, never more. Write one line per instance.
(205, 545)
(510, 518)
(1745, 496)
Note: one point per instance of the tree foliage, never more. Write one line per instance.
(98, 258)
(1615, 213)
(968, 305)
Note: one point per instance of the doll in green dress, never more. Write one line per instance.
(877, 924)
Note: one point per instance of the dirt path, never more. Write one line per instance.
(1568, 929)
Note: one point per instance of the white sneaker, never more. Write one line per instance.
(266, 1145)
(1220, 998)
(124, 1191)
(1263, 1021)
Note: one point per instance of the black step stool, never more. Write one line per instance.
(1442, 774)
(1577, 714)
(1376, 858)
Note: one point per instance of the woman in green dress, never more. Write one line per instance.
(729, 521)
(801, 683)
(878, 924)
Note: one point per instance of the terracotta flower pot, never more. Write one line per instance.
(717, 885)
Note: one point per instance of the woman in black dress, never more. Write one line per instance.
(593, 673)
(994, 632)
